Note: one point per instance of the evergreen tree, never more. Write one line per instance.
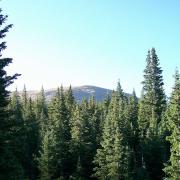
(84, 139)
(112, 158)
(18, 130)
(131, 113)
(132, 117)
(124, 114)
(95, 115)
(151, 108)
(31, 136)
(70, 105)
(106, 104)
(8, 163)
(60, 126)
(46, 155)
(69, 98)
(172, 168)
(103, 111)
(41, 112)
(143, 121)
(24, 98)
(153, 102)
(32, 130)
(121, 95)
(76, 132)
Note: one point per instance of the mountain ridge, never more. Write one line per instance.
(79, 92)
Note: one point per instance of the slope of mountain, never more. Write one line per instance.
(79, 92)
(88, 91)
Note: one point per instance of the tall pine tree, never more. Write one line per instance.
(8, 163)
(153, 101)
(84, 139)
(41, 112)
(112, 158)
(60, 163)
(172, 168)
(152, 105)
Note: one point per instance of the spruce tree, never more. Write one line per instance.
(103, 110)
(121, 95)
(132, 117)
(76, 132)
(112, 158)
(151, 107)
(153, 101)
(95, 115)
(84, 139)
(106, 104)
(131, 113)
(8, 163)
(18, 130)
(70, 104)
(69, 98)
(172, 168)
(45, 163)
(60, 126)
(41, 112)
(31, 136)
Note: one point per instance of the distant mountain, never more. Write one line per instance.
(88, 91)
(79, 92)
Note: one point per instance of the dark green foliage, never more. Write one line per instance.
(32, 139)
(153, 157)
(60, 142)
(151, 107)
(113, 157)
(18, 130)
(69, 98)
(131, 113)
(106, 104)
(85, 138)
(45, 163)
(95, 117)
(9, 165)
(172, 169)
(70, 103)
(41, 109)
(153, 100)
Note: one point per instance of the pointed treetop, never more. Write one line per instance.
(177, 77)
(134, 92)
(134, 97)
(176, 89)
(42, 88)
(120, 92)
(70, 97)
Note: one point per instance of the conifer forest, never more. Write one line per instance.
(120, 138)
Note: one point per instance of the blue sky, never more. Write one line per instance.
(94, 42)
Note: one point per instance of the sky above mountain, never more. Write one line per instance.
(93, 42)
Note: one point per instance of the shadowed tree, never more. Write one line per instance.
(9, 166)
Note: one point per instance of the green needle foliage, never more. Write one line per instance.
(151, 107)
(9, 165)
(172, 168)
(153, 100)
(112, 158)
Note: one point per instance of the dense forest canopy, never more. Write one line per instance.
(121, 138)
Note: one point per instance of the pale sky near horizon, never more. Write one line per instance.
(91, 42)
